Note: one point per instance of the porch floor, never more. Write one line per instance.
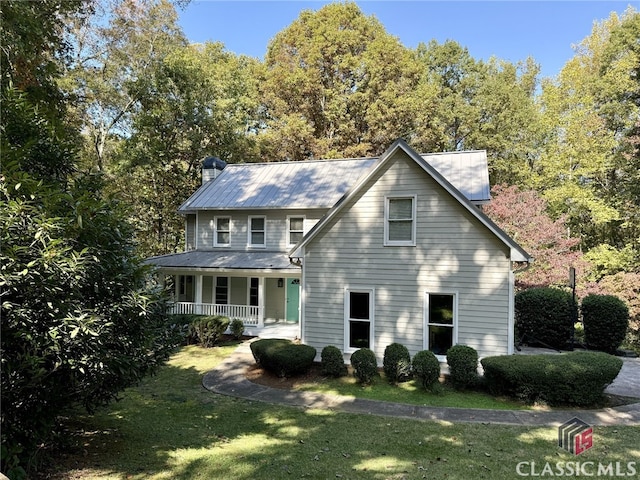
(275, 330)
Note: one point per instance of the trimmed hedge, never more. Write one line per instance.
(426, 368)
(396, 363)
(575, 378)
(463, 366)
(283, 357)
(546, 315)
(332, 362)
(237, 328)
(606, 320)
(365, 365)
(207, 330)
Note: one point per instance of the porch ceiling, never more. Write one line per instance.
(227, 260)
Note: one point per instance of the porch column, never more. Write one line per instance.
(176, 288)
(197, 298)
(260, 302)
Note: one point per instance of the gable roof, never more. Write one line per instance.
(517, 253)
(310, 184)
(321, 183)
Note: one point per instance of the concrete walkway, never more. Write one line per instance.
(228, 378)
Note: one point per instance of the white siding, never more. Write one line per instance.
(454, 253)
(276, 227)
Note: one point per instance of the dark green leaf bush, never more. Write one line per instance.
(574, 378)
(237, 328)
(332, 362)
(463, 366)
(209, 329)
(545, 315)
(606, 320)
(365, 365)
(283, 357)
(426, 368)
(396, 363)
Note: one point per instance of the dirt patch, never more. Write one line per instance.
(259, 375)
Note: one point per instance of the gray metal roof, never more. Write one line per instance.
(309, 184)
(227, 260)
(321, 183)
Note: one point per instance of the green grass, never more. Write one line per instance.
(170, 427)
(411, 393)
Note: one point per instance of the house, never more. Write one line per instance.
(360, 252)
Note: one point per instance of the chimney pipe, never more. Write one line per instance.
(211, 168)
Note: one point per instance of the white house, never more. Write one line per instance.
(360, 252)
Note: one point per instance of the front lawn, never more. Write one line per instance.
(170, 427)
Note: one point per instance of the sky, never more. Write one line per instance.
(509, 30)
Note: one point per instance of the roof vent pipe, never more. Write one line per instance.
(211, 168)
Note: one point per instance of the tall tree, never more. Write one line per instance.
(335, 84)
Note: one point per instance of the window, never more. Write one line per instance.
(359, 316)
(257, 231)
(400, 225)
(253, 291)
(441, 321)
(222, 232)
(295, 229)
(222, 290)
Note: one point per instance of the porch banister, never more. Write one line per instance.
(251, 316)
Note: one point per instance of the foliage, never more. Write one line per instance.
(396, 363)
(80, 321)
(283, 357)
(545, 316)
(463, 366)
(237, 328)
(605, 319)
(426, 368)
(332, 362)
(574, 378)
(207, 330)
(365, 365)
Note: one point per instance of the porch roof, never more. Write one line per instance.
(227, 260)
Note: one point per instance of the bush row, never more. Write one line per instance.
(546, 316)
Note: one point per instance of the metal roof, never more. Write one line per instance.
(227, 260)
(321, 183)
(307, 184)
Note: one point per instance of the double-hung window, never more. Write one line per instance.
(222, 232)
(295, 229)
(359, 316)
(441, 312)
(257, 232)
(222, 290)
(400, 221)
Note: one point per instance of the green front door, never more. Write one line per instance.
(293, 299)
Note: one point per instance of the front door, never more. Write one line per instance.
(293, 300)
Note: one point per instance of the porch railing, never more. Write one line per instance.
(251, 316)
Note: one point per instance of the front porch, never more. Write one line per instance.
(251, 316)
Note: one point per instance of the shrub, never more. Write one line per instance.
(365, 365)
(207, 330)
(605, 319)
(575, 378)
(463, 366)
(396, 363)
(332, 362)
(545, 315)
(426, 368)
(237, 328)
(283, 357)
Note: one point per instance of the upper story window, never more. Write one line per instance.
(257, 232)
(295, 229)
(400, 221)
(222, 232)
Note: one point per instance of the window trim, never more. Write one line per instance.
(426, 323)
(372, 315)
(216, 231)
(289, 231)
(400, 243)
(250, 231)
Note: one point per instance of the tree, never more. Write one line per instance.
(335, 85)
